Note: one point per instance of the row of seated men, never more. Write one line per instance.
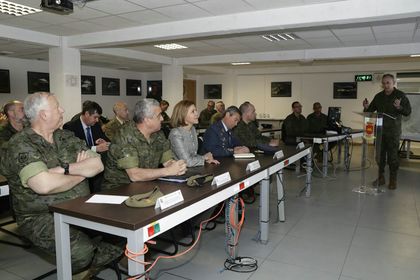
(45, 164)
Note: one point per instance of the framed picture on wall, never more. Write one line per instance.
(110, 86)
(88, 84)
(38, 81)
(346, 90)
(4, 81)
(281, 89)
(213, 91)
(133, 87)
(154, 90)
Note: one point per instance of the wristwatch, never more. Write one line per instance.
(65, 165)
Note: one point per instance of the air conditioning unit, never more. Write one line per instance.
(63, 7)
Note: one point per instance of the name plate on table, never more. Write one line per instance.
(169, 200)
(253, 166)
(278, 154)
(221, 179)
(300, 146)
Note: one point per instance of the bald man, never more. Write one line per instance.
(121, 116)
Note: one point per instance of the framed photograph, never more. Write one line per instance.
(154, 90)
(4, 81)
(345, 90)
(213, 91)
(281, 89)
(88, 84)
(38, 81)
(110, 86)
(133, 87)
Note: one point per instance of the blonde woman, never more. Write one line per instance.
(183, 137)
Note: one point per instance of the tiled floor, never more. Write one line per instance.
(336, 234)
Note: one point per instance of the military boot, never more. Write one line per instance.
(380, 181)
(392, 182)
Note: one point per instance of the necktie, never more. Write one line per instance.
(89, 136)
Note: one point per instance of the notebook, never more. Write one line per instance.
(244, 155)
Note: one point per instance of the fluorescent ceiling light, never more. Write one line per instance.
(415, 55)
(15, 9)
(240, 63)
(171, 46)
(280, 37)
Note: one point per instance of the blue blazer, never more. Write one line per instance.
(218, 141)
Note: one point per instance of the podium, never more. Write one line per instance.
(372, 134)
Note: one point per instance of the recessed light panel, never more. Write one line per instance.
(171, 46)
(15, 9)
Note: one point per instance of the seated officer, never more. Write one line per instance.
(206, 114)
(220, 109)
(219, 139)
(294, 125)
(121, 116)
(13, 110)
(46, 165)
(139, 148)
(247, 130)
(317, 121)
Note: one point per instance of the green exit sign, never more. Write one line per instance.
(363, 78)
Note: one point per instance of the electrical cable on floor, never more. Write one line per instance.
(133, 255)
(233, 231)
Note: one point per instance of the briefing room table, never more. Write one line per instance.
(325, 139)
(139, 225)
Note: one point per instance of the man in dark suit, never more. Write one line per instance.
(219, 139)
(87, 128)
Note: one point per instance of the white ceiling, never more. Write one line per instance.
(217, 31)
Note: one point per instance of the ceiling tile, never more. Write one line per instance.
(22, 22)
(113, 22)
(114, 7)
(50, 18)
(146, 17)
(152, 4)
(405, 27)
(352, 31)
(314, 34)
(349, 38)
(87, 27)
(220, 7)
(86, 13)
(271, 4)
(186, 11)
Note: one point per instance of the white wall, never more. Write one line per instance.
(308, 86)
(19, 85)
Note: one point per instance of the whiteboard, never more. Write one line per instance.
(411, 124)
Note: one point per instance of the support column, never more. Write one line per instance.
(172, 85)
(64, 68)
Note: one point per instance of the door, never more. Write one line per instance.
(190, 91)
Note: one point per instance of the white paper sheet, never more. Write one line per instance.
(109, 199)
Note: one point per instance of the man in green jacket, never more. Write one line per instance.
(394, 104)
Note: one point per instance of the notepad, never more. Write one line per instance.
(244, 155)
(107, 199)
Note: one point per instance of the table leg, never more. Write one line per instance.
(280, 196)
(408, 149)
(135, 243)
(346, 154)
(339, 142)
(62, 247)
(325, 160)
(309, 174)
(264, 209)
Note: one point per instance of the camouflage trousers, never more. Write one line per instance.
(85, 251)
(389, 154)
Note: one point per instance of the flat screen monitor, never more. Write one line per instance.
(334, 116)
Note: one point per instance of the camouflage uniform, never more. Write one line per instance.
(205, 117)
(6, 132)
(111, 128)
(131, 149)
(249, 135)
(165, 117)
(391, 131)
(293, 127)
(216, 117)
(30, 155)
(317, 124)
